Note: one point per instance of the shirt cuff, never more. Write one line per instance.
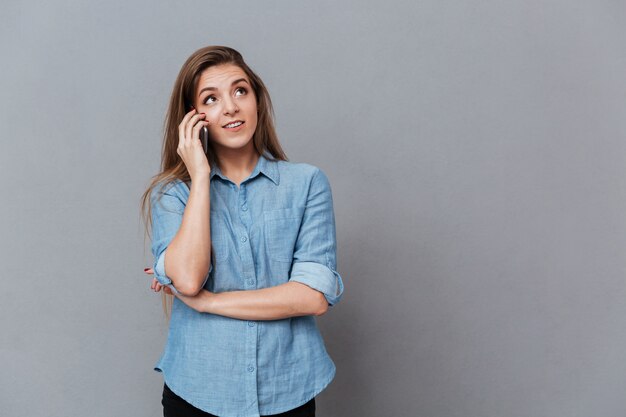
(319, 277)
(159, 273)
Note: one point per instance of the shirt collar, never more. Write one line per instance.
(265, 166)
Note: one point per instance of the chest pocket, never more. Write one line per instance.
(281, 232)
(220, 236)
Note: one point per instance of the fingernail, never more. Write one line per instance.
(145, 269)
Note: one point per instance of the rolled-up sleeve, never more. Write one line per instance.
(315, 253)
(167, 208)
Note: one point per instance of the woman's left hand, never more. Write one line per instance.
(156, 285)
(198, 302)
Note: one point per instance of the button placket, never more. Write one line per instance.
(244, 237)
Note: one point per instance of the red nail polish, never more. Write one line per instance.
(145, 269)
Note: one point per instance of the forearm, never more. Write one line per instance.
(290, 299)
(188, 256)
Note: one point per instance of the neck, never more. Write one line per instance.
(237, 164)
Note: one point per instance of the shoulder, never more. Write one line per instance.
(173, 188)
(300, 173)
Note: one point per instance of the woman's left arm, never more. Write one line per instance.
(290, 299)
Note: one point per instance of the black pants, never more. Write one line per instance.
(174, 406)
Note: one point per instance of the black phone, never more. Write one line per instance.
(204, 138)
(204, 133)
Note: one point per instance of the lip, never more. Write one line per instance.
(233, 128)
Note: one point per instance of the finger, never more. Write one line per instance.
(196, 129)
(191, 124)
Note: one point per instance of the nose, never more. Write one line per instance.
(230, 107)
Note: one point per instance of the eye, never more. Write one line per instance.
(206, 100)
(241, 89)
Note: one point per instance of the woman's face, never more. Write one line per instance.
(224, 93)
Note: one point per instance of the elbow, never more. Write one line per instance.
(189, 287)
(307, 301)
(188, 277)
(188, 290)
(321, 304)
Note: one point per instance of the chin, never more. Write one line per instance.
(234, 144)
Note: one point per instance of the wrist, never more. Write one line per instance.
(202, 180)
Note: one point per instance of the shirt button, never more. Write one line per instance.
(251, 323)
(243, 238)
(244, 207)
(250, 281)
(250, 368)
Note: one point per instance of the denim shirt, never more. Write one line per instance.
(277, 226)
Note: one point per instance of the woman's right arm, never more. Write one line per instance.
(187, 258)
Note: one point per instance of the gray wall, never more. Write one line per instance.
(477, 156)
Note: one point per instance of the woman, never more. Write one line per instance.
(242, 339)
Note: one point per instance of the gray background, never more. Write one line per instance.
(476, 152)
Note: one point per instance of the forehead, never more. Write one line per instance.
(220, 76)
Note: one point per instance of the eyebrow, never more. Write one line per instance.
(213, 88)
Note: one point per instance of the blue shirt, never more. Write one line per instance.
(277, 226)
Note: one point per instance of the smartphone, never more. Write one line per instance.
(204, 133)
(204, 138)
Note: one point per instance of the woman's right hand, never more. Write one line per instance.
(189, 146)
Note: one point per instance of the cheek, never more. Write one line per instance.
(213, 118)
(253, 115)
(212, 114)
(253, 119)
(214, 130)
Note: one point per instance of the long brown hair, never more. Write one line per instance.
(172, 166)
